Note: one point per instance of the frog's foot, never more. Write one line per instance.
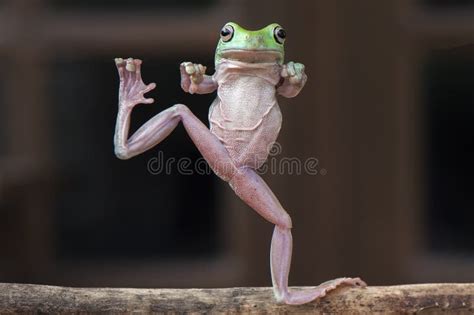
(132, 88)
(308, 295)
(192, 74)
(294, 72)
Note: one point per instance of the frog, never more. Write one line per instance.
(244, 122)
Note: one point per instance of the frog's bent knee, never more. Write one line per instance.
(285, 222)
(180, 108)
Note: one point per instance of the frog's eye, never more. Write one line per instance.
(280, 34)
(227, 33)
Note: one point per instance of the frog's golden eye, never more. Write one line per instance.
(280, 34)
(227, 33)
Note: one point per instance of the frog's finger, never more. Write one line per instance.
(182, 68)
(202, 69)
(197, 73)
(184, 64)
(186, 67)
(299, 69)
(284, 71)
(199, 69)
(291, 68)
(196, 69)
(190, 69)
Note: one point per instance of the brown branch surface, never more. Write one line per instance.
(420, 298)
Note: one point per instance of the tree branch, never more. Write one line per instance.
(432, 298)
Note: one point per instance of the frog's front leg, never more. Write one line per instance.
(195, 80)
(293, 79)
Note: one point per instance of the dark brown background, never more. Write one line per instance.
(387, 110)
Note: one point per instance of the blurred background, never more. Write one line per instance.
(388, 111)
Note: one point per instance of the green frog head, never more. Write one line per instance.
(262, 46)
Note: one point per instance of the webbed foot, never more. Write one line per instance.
(308, 295)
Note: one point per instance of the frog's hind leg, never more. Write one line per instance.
(159, 127)
(155, 130)
(251, 188)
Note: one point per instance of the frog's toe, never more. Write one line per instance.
(130, 65)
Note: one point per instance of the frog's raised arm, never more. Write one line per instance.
(293, 79)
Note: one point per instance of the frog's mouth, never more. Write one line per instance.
(253, 55)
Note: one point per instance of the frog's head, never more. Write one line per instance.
(262, 46)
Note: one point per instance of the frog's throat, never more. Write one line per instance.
(251, 55)
(268, 71)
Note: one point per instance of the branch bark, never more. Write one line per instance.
(420, 298)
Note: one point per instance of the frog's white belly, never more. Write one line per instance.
(246, 118)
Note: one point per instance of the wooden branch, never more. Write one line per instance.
(432, 298)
